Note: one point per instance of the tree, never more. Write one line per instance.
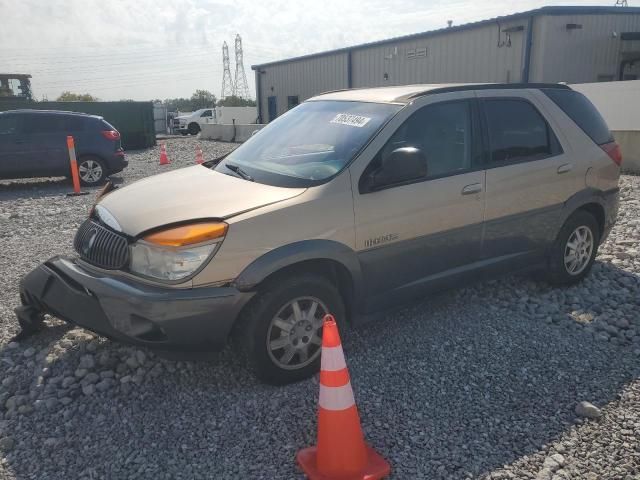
(233, 101)
(67, 96)
(202, 99)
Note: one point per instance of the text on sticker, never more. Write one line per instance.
(351, 120)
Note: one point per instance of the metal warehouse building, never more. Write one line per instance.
(549, 44)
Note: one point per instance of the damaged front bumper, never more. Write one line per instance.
(193, 319)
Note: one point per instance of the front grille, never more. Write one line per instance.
(100, 246)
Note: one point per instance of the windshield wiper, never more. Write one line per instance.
(239, 171)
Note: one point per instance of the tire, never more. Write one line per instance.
(193, 129)
(92, 171)
(265, 345)
(562, 271)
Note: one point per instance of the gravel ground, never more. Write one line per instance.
(482, 382)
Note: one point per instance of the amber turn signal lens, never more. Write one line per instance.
(188, 234)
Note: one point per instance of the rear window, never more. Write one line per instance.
(104, 125)
(583, 113)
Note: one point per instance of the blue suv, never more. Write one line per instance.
(33, 143)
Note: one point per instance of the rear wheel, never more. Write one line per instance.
(280, 333)
(575, 249)
(91, 171)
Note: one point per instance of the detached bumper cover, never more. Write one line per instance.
(196, 319)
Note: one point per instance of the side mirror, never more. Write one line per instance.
(401, 165)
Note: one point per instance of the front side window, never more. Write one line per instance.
(8, 124)
(518, 132)
(443, 132)
(309, 143)
(206, 113)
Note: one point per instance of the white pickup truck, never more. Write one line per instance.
(191, 123)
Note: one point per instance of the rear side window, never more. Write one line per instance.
(73, 124)
(583, 113)
(518, 132)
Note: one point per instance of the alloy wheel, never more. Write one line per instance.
(578, 250)
(294, 338)
(90, 171)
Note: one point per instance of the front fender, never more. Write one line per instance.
(298, 252)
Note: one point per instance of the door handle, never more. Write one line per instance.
(565, 168)
(471, 189)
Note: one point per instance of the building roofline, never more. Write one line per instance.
(549, 10)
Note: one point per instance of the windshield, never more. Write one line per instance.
(308, 144)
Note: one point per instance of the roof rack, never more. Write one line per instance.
(487, 86)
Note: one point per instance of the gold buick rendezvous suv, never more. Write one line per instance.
(350, 203)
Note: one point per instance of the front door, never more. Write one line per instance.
(47, 137)
(417, 236)
(14, 148)
(273, 108)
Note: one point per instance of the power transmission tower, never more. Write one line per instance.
(241, 87)
(227, 84)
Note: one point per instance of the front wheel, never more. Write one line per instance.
(575, 249)
(280, 333)
(194, 129)
(91, 171)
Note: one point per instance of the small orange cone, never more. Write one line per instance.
(199, 158)
(341, 452)
(164, 160)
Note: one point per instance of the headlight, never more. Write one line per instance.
(175, 253)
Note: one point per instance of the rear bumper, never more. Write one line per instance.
(611, 204)
(117, 162)
(196, 319)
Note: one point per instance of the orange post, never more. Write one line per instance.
(74, 167)
(341, 452)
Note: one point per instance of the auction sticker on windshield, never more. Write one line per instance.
(351, 120)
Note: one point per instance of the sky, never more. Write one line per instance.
(148, 49)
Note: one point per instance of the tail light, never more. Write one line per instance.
(111, 134)
(613, 150)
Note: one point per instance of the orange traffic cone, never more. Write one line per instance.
(199, 158)
(341, 452)
(164, 160)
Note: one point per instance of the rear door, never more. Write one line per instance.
(13, 146)
(414, 237)
(529, 176)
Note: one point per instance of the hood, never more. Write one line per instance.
(182, 117)
(188, 194)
